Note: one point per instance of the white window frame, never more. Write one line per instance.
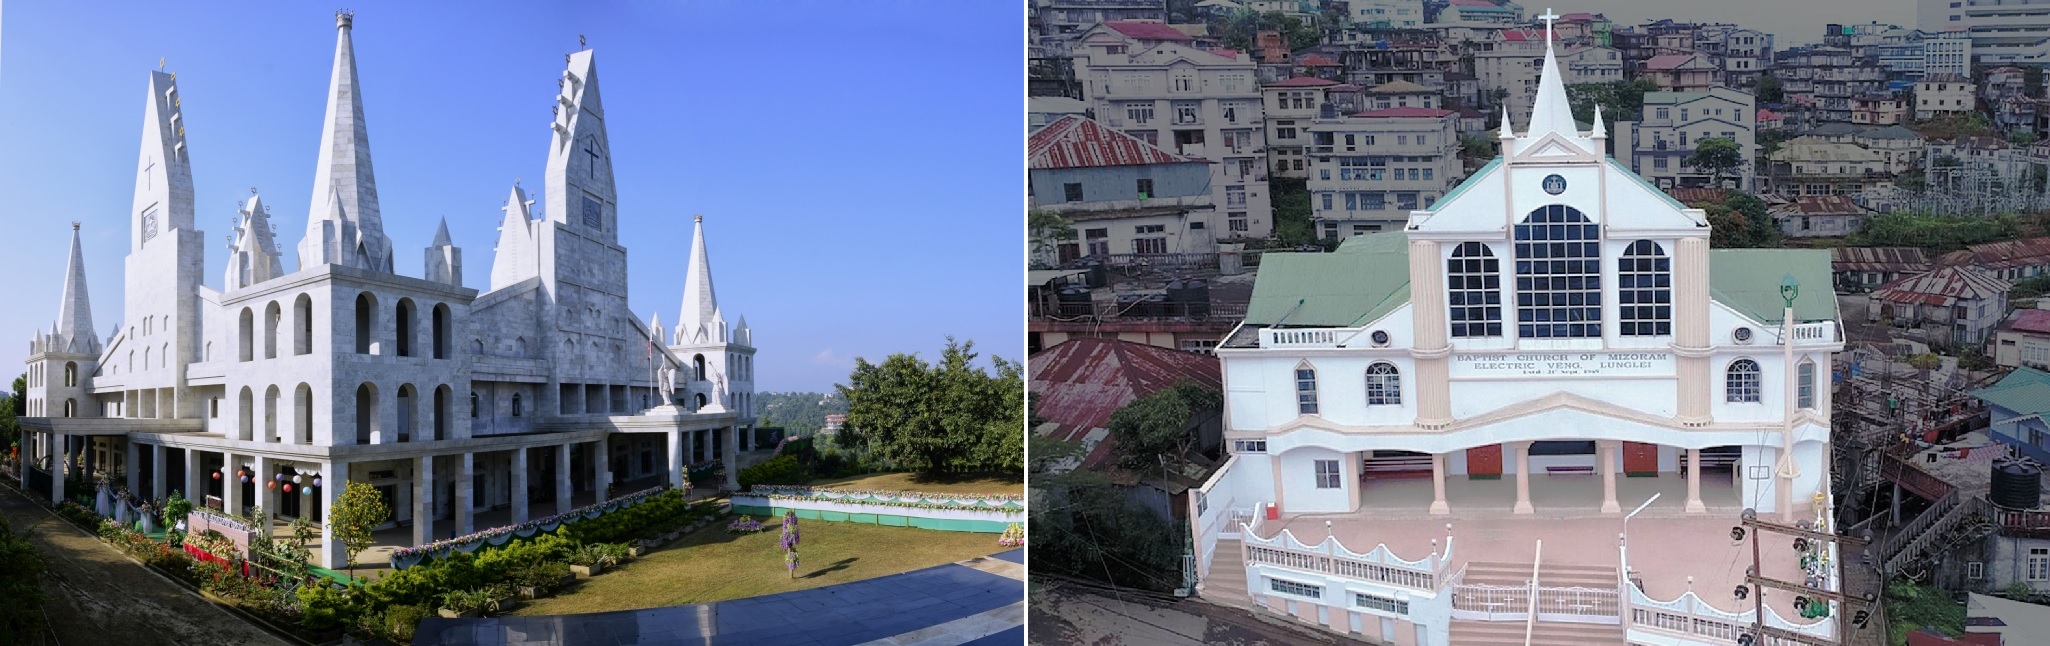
(1329, 476)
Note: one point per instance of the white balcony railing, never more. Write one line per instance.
(1305, 337)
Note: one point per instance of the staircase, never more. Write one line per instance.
(1225, 583)
(1551, 575)
(1510, 633)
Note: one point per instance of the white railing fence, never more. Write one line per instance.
(1579, 605)
(1490, 602)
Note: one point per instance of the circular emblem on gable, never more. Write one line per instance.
(1555, 184)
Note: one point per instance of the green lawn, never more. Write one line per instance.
(713, 565)
(978, 483)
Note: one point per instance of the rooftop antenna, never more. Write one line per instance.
(580, 43)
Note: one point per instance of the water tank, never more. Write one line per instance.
(2016, 485)
(1073, 301)
(1189, 297)
(1141, 305)
(1099, 275)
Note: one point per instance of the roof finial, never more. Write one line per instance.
(1548, 17)
(698, 217)
(344, 18)
(160, 62)
(581, 44)
(74, 225)
(1507, 133)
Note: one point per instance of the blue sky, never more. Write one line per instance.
(858, 164)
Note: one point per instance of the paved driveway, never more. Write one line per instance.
(979, 602)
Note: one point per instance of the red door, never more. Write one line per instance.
(1484, 462)
(1640, 459)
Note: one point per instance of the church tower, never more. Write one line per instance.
(253, 257)
(514, 259)
(580, 189)
(719, 361)
(343, 223)
(160, 327)
(62, 360)
(444, 258)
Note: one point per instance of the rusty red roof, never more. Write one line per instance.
(2006, 254)
(1077, 385)
(1946, 286)
(1148, 30)
(2037, 321)
(1404, 112)
(1692, 196)
(1076, 142)
(1882, 259)
(1516, 35)
(1303, 81)
(1821, 205)
(1227, 53)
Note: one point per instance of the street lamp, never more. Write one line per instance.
(1789, 289)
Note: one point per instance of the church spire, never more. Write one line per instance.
(444, 258)
(163, 174)
(344, 188)
(253, 255)
(580, 188)
(1551, 112)
(515, 258)
(74, 328)
(700, 307)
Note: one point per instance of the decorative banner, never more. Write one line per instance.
(1519, 365)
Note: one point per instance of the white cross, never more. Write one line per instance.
(1548, 17)
(146, 181)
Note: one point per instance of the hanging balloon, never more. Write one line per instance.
(306, 491)
(270, 485)
(295, 479)
(288, 487)
(281, 477)
(217, 475)
(316, 481)
(245, 479)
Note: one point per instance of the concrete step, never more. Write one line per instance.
(1226, 581)
(1545, 633)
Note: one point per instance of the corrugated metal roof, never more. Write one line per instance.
(1944, 287)
(1696, 195)
(1894, 259)
(1302, 81)
(1148, 30)
(1076, 142)
(2037, 321)
(1078, 384)
(1316, 60)
(2008, 254)
(1400, 87)
(2025, 391)
(1820, 205)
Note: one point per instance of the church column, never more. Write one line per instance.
(676, 464)
(1694, 505)
(265, 481)
(1522, 477)
(1349, 469)
(601, 470)
(157, 476)
(1690, 327)
(231, 484)
(334, 479)
(1438, 504)
(1427, 314)
(423, 500)
(690, 448)
(466, 494)
(564, 498)
(519, 485)
(59, 456)
(1605, 451)
(732, 458)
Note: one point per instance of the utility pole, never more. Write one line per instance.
(1753, 527)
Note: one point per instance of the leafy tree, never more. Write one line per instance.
(1241, 30)
(1717, 156)
(2032, 80)
(1087, 528)
(360, 509)
(1154, 428)
(2022, 138)
(1047, 230)
(1477, 147)
(21, 572)
(1935, 232)
(1620, 100)
(1292, 224)
(12, 405)
(948, 417)
(1739, 220)
(1911, 607)
(1770, 90)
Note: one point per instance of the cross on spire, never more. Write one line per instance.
(1548, 17)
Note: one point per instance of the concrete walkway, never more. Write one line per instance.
(980, 601)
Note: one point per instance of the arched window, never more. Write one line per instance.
(302, 407)
(516, 405)
(519, 346)
(146, 352)
(1805, 384)
(70, 408)
(1306, 389)
(1741, 382)
(366, 323)
(247, 426)
(407, 398)
(270, 415)
(366, 413)
(442, 321)
(71, 374)
(404, 322)
(1644, 290)
(1473, 284)
(477, 346)
(701, 400)
(473, 405)
(1558, 275)
(698, 362)
(302, 325)
(1384, 385)
(248, 334)
(272, 315)
(441, 397)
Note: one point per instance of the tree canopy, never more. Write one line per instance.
(946, 417)
(1739, 220)
(798, 413)
(1239, 30)
(1717, 156)
(1620, 100)
(1770, 90)
(360, 509)
(1046, 230)
(1155, 428)
(1086, 528)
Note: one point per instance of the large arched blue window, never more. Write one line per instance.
(1644, 291)
(1473, 283)
(1558, 275)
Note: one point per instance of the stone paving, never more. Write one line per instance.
(980, 601)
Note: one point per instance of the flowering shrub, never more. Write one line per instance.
(745, 525)
(1014, 536)
(903, 500)
(77, 513)
(574, 518)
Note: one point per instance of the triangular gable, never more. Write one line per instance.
(1553, 147)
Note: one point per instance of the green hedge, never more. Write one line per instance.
(657, 514)
(780, 470)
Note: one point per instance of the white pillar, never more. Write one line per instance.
(732, 458)
(1523, 478)
(519, 485)
(676, 458)
(131, 469)
(423, 500)
(231, 485)
(1605, 451)
(601, 470)
(1694, 505)
(334, 479)
(157, 477)
(266, 496)
(1438, 504)
(466, 494)
(59, 454)
(564, 498)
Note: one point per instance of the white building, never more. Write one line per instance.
(544, 388)
(1190, 102)
(1674, 123)
(1943, 94)
(2003, 32)
(1391, 14)
(1516, 70)
(1948, 52)
(1408, 415)
(1369, 170)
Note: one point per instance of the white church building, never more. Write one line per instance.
(542, 393)
(1437, 432)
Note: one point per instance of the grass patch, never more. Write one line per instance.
(713, 565)
(975, 483)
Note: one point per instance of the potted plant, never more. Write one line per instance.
(501, 596)
(458, 604)
(588, 561)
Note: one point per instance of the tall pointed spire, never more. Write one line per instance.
(74, 329)
(1551, 111)
(163, 174)
(700, 307)
(515, 258)
(444, 258)
(580, 188)
(344, 187)
(441, 235)
(253, 256)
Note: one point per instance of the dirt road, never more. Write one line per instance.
(98, 596)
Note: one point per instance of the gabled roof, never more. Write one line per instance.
(1697, 195)
(1748, 281)
(1767, 115)
(1887, 259)
(1946, 286)
(2025, 391)
(1404, 112)
(1076, 142)
(1668, 61)
(2037, 321)
(1889, 132)
(1515, 35)
(1302, 81)
(1078, 384)
(1399, 87)
(2006, 254)
(1365, 279)
(1821, 205)
(1148, 30)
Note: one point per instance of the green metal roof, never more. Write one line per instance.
(1748, 280)
(1654, 190)
(2025, 391)
(1367, 278)
(1475, 178)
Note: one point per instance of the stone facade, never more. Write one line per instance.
(452, 402)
